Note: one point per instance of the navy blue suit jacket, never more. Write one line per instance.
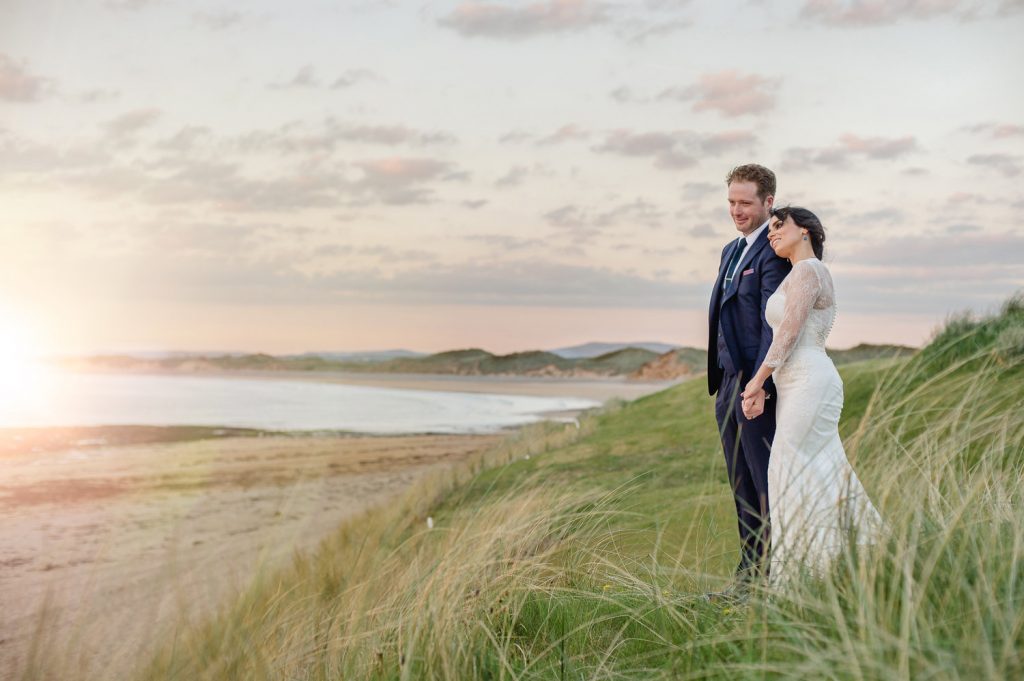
(740, 308)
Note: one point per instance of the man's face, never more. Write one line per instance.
(747, 210)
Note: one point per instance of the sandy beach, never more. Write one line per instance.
(121, 541)
(109, 535)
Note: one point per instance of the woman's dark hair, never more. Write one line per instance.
(804, 219)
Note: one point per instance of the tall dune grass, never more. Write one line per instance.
(528, 576)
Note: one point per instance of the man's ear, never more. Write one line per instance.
(770, 201)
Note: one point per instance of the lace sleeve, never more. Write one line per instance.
(802, 287)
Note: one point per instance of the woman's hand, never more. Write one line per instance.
(753, 399)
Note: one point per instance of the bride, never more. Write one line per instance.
(816, 500)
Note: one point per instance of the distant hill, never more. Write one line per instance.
(367, 356)
(868, 351)
(678, 363)
(466, 362)
(683, 362)
(631, 362)
(598, 349)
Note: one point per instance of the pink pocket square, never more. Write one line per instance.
(746, 272)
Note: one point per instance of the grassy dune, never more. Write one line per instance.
(569, 554)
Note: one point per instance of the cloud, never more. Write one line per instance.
(353, 77)
(390, 255)
(513, 178)
(392, 135)
(639, 32)
(514, 21)
(996, 130)
(305, 77)
(588, 223)
(962, 228)
(1007, 164)
(622, 94)
(131, 122)
(179, 180)
(515, 137)
(674, 149)
(194, 165)
(727, 140)
(505, 242)
(967, 197)
(566, 133)
(401, 181)
(20, 156)
(475, 204)
(518, 173)
(664, 147)
(186, 139)
(130, 5)
(98, 95)
(219, 20)
(951, 270)
(863, 13)
(225, 187)
(848, 148)
(18, 85)
(325, 138)
(699, 190)
(729, 92)
(518, 282)
(870, 218)
(878, 147)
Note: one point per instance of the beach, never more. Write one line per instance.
(121, 532)
(121, 542)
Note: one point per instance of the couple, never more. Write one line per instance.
(778, 393)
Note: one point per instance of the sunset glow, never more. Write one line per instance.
(507, 175)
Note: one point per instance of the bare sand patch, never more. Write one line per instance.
(104, 548)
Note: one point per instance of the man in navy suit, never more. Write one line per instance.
(738, 341)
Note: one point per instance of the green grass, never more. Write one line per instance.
(582, 554)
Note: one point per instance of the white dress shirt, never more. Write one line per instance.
(750, 242)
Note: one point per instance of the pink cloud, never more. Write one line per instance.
(517, 21)
(17, 84)
(878, 147)
(731, 93)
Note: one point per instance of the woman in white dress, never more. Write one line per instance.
(815, 498)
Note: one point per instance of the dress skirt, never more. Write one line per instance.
(817, 501)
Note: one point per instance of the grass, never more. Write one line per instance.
(583, 553)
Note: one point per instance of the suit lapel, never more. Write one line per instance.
(759, 243)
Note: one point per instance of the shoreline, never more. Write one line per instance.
(589, 387)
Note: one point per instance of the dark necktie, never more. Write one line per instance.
(734, 263)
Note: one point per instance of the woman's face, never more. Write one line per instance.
(784, 236)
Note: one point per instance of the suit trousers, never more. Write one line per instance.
(747, 445)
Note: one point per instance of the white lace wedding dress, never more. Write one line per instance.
(814, 496)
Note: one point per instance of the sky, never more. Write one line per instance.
(314, 176)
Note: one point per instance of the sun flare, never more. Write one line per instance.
(24, 378)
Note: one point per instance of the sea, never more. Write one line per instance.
(94, 399)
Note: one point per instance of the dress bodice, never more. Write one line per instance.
(801, 311)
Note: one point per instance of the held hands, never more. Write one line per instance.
(753, 399)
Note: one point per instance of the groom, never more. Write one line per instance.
(738, 340)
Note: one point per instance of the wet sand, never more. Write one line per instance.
(121, 541)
